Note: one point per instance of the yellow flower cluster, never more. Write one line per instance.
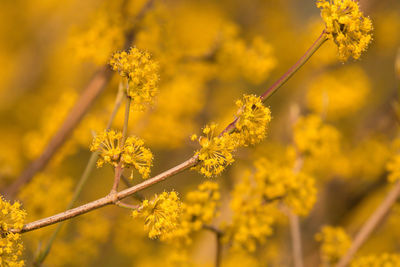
(253, 119)
(313, 137)
(141, 72)
(251, 128)
(383, 260)
(295, 189)
(161, 215)
(393, 167)
(347, 26)
(103, 34)
(252, 218)
(136, 155)
(339, 93)
(334, 244)
(131, 154)
(10, 250)
(108, 144)
(198, 208)
(11, 217)
(252, 62)
(216, 151)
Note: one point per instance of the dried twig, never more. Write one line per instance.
(371, 224)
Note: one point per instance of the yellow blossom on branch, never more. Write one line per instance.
(346, 26)
(141, 72)
(108, 144)
(216, 151)
(253, 119)
(160, 214)
(314, 138)
(11, 217)
(252, 219)
(198, 209)
(334, 244)
(200, 206)
(137, 156)
(295, 189)
(132, 154)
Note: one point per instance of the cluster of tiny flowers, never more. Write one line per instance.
(160, 215)
(252, 218)
(216, 151)
(11, 217)
(132, 154)
(295, 189)
(393, 167)
(386, 260)
(252, 120)
(141, 72)
(313, 137)
(108, 144)
(198, 209)
(137, 156)
(334, 244)
(200, 206)
(347, 26)
(253, 62)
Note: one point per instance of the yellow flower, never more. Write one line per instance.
(253, 62)
(253, 118)
(109, 146)
(252, 219)
(160, 215)
(295, 189)
(314, 138)
(215, 153)
(347, 26)
(141, 72)
(11, 217)
(201, 205)
(138, 156)
(132, 154)
(334, 244)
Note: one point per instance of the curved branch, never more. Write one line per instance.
(110, 199)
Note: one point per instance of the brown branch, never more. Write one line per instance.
(371, 224)
(296, 239)
(286, 76)
(112, 198)
(107, 200)
(218, 235)
(89, 94)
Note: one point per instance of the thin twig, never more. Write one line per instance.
(119, 169)
(174, 170)
(126, 205)
(371, 224)
(296, 239)
(89, 94)
(82, 181)
(107, 200)
(286, 76)
(218, 235)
